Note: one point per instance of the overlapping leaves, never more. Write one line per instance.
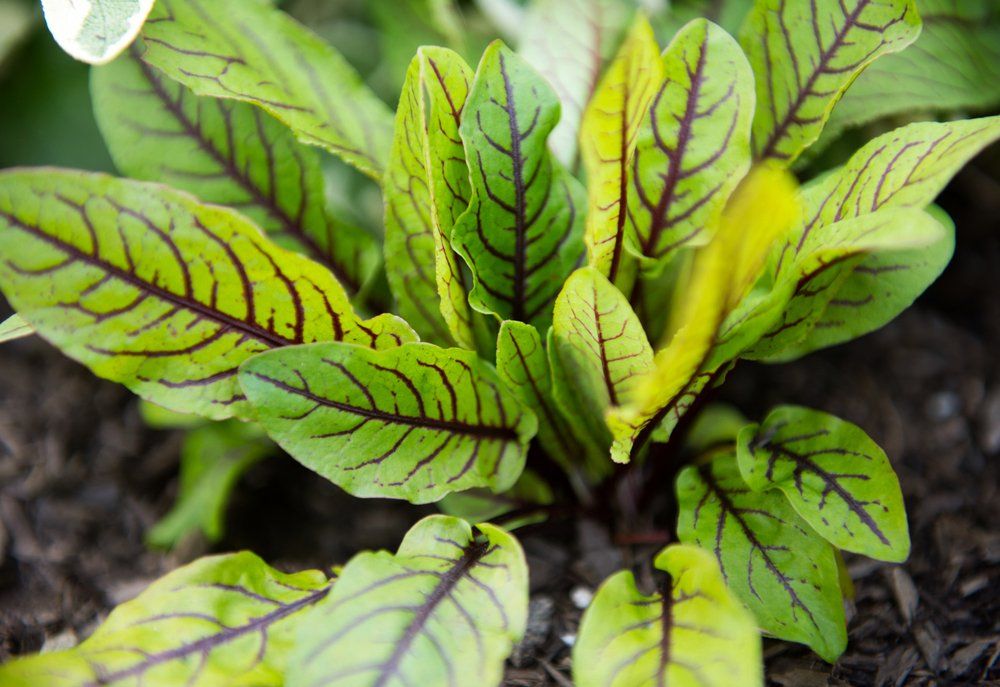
(221, 620)
(833, 474)
(415, 422)
(229, 153)
(607, 143)
(693, 146)
(14, 327)
(447, 606)
(690, 632)
(248, 50)
(521, 235)
(426, 190)
(150, 288)
(770, 558)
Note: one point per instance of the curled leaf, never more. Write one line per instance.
(416, 423)
(448, 605)
(693, 146)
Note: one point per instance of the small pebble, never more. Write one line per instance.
(568, 639)
(581, 597)
(943, 405)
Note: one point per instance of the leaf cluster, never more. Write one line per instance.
(581, 239)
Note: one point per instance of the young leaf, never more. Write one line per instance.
(213, 458)
(14, 327)
(865, 271)
(568, 42)
(953, 65)
(694, 145)
(228, 153)
(806, 54)
(447, 608)
(760, 212)
(522, 364)
(150, 288)
(416, 423)
(248, 50)
(98, 30)
(690, 632)
(599, 341)
(222, 620)
(521, 234)
(426, 188)
(607, 143)
(833, 474)
(771, 560)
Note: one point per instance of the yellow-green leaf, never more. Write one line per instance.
(607, 143)
(691, 632)
(14, 327)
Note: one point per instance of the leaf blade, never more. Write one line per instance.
(691, 628)
(248, 50)
(219, 619)
(370, 440)
(802, 73)
(521, 234)
(833, 474)
(95, 32)
(13, 328)
(442, 578)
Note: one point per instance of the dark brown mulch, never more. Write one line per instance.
(81, 479)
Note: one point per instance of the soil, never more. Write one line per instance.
(82, 479)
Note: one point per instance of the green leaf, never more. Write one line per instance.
(671, 16)
(447, 608)
(14, 327)
(855, 278)
(607, 144)
(833, 474)
(95, 31)
(568, 42)
(417, 422)
(17, 20)
(521, 234)
(953, 65)
(694, 145)
(599, 341)
(479, 505)
(223, 620)
(523, 365)
(690, 632)
(426, 189)
(228, 153)
(771, 560)
(213, 458)
(148, 287)
(907, 167)
(806, 54)
(248, 50)
(158, 417)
